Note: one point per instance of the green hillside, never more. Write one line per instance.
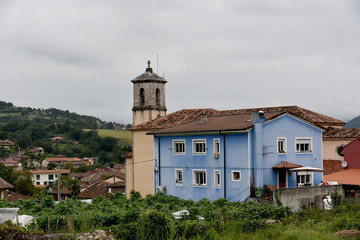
(124, 136)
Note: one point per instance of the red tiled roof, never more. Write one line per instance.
(50, 171)
(128, 155)
(349, 176)
(286, 165)
(98, 189)
(4, 184)
(63, 159)
(341, 133)
(215, 123)
(332, 166)
(188, 115)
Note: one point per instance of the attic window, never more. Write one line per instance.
(339, 149)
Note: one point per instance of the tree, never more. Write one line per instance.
(23, 182)
(6, 172)
(74, 186)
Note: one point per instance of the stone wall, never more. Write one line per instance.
(305, 197)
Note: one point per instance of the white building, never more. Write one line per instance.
(47, 177)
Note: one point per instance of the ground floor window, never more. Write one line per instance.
(179, 177)
(304, 179)
(217, 179)
(199, 177)
(236, 176)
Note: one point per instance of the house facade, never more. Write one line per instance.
(46, 177)
(225, 156)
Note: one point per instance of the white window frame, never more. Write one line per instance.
(195, 172)
(179, 182)
(232, 176)
(216, 143)
(299, 176)
(217, 179)
(303, 140)
(282, 139)
(174, 142)
(200, 141)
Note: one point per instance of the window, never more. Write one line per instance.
(199, 177)
(304, 179)
(38, 177)
(281, 145)
(199, 146)
(303, 145)
(178, 146)
(37, 183)
(179, 177)
(216, 145)
(236, 176)
(51, 177)
(217, 179)
(45, 183)
(142, 96)
(157, 97)
(51, 183)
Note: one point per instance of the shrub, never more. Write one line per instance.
(190, 228)
(155, 225)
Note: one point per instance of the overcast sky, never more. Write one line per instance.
(81, 55)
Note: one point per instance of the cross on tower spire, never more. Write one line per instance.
(149, 69)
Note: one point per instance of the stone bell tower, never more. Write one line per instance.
(149, 96)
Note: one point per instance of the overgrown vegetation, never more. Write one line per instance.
(151, 218)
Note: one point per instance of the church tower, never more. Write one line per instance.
(149, 96)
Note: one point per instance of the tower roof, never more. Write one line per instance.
(148, 76)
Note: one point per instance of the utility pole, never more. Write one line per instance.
(58, 185)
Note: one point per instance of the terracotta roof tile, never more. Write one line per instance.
(61, 159)
(98, 189)
(4, 184)
(349, 176)
(216, 123)
(332, 166)
(341, 133)
(50, 171)
(188, 115)
(286, 165)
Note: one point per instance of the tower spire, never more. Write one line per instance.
(149, 69)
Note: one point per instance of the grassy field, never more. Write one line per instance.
(124, 136)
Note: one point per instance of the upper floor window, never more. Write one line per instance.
(179, 177)
(281, 145)
(199, 177)
(157, 97)
(142, 96)
(216, 146)
(199, 146)
(51, 177)
(38, 177)
(303, 145)
(178, 146)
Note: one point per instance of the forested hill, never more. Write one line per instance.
(52, 116)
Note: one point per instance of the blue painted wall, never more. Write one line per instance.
(244, 153)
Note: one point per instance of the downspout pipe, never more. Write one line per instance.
(224, 164)
(158, 163)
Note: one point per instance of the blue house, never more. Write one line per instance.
(224, 156)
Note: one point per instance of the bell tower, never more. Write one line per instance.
(149, 96)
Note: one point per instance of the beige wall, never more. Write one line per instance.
(146, 115)
(329, 149)
(140, 174)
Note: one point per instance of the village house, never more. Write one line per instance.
(37, 151)
(224, 156)
(351, 164)
(4, 188)
(149, 114)
(61, 161)
(6, 144)
(47, 177)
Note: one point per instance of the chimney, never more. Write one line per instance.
(203, 118)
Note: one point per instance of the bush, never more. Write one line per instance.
(155, 225)
(190, 228)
